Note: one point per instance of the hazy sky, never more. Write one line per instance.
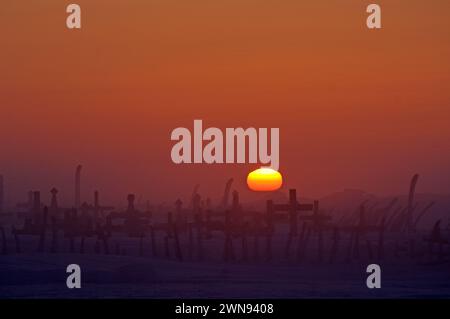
(356, 107)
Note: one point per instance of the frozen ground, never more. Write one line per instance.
(44, 276)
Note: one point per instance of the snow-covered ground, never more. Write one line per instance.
(44, 276)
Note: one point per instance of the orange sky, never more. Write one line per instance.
(355, 107)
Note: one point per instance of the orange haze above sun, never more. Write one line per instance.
(355, 108)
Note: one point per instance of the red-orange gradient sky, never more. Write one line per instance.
(356, 108)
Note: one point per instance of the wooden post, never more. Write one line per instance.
(82, 244)
(226, 244)
(105, 242)
(300, 241)
(369, 249)
(172, 231)
(292, 221)
(440, 251)
(228, 247)
(178, 210)
(97, 247)
(198, 222)
(318, 227)
(409, 216)
(305, 244)
(71, 244)
(54, 247)
(166, 246)
(359, 232)
(380, 254)
(208, 223)
(70, 228)
(436, 238)
(153, 240)
(141, 245)
(16, 240)
(168, 235)
(269, 229)
(4, 245)
(178, 252)
(191, 242)
(293, 212)
(43, 230)
(236, 215)
(244, 242)
(350, 246)
(169, 224)
(256, 246)
(335, 245)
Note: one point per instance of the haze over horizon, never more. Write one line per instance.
(355, 108)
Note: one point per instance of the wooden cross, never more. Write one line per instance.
(293, 208)
(317, 218)
(358, 233)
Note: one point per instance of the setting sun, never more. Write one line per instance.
(264, 180)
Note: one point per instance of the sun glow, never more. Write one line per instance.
(264, 179)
